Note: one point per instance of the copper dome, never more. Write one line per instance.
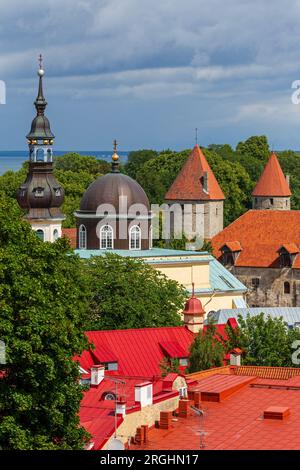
(109, 188)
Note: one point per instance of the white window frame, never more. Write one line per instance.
(104, 237)
(82, 230)
(133, 231)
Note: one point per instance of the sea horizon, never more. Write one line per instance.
(12, 160)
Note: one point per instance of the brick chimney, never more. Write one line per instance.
(97, 374)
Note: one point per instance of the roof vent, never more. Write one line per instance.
(277, 412)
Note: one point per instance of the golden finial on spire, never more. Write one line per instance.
(115, 156)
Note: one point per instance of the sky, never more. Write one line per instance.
(148, 72)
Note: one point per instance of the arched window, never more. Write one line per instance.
(287, 288)
(55, 234)
(108, 396)
(40, 234)
(40, 155)
(106, 238)
(135, 238)
(82, 237)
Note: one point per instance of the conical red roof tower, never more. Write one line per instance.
(272, 182)
(196, 181)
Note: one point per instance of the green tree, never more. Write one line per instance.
(256, 147)
(43, 299)
(207, 350)
(136, 159)
(168, 366)
(77, 163)
(264, 341)
(235, 183)
(128, 293)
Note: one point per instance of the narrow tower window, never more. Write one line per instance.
(135, 238)
(82, 237)
(287, 288)
(106, 238)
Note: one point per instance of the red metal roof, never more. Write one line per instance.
(173, 349)
(189, 185)
(236, 422)
(137, 351)
(272, 181)
(261, 234)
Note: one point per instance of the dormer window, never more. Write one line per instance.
(57, 192)
(287, 255)
(230, 253)
(38, 192)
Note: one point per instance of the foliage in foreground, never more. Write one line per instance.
(43, 304)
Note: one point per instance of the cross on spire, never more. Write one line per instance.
(40, 61)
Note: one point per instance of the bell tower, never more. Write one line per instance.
(40, 195)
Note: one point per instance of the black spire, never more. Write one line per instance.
(40, 127)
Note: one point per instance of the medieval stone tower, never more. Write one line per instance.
(197, 191)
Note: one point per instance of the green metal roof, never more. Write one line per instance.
(220, 278)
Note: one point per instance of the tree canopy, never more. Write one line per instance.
(128, 293)
(43, 300)
(207, 350)
(264, 341)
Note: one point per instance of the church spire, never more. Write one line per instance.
(40, 127)
(41, 196)
(40, 102)
(115, 159)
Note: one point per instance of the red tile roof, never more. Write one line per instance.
(71, 234)
(291, 248)
(189, 186)
(233, 246)
(272, 181)
(261, 234)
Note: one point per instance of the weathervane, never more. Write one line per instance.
(115, 145)
(196, 135)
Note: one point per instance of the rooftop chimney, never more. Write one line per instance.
(143, 393)
(288, 180)
(97, 374)
(235, 357)
(121, 407)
